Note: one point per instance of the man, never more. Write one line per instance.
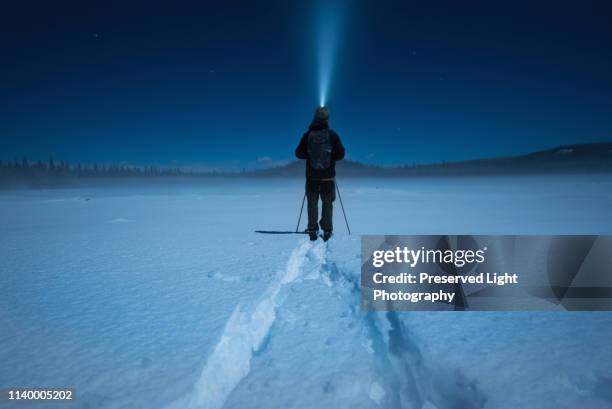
(321, 147)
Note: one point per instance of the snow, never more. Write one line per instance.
(243, 336)
(162, 296)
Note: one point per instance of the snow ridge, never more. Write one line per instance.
(244, 334)
(405, 378)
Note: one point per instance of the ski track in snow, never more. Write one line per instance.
(244, 334)
(408, 381)
(404, 379)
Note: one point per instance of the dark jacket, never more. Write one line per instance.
(301, 152)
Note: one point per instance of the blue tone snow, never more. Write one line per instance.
(162, 296)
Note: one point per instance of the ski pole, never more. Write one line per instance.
(301, 209)
(342, 205)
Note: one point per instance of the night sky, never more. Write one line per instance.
(234, 84)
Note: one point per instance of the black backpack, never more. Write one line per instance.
(319, 149)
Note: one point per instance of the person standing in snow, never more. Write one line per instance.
(321, 148)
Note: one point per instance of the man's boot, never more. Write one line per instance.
(327, 235)
(313, 234)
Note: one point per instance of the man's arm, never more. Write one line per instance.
(301, 152)
(338, 148)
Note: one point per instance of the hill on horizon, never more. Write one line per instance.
(591, 157)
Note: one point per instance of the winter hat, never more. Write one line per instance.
(321, 115)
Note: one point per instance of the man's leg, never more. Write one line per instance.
(328, 195)
(312, 195)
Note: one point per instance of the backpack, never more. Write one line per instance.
(319, 149)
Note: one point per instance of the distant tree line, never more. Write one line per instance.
(47, 172)
(579, 158)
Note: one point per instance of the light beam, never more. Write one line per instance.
(327, 28)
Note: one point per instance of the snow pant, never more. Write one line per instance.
(326, 190)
